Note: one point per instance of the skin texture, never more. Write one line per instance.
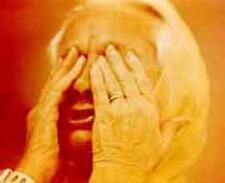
(124, 135)
(42, 149)
(175, 92)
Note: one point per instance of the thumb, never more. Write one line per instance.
(170, 129)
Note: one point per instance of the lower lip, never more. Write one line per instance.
(80, 138)
(85, 123)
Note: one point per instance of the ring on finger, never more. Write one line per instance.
(116, 96)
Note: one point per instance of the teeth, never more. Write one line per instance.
(82, 106)
(80, 114)
(81, 121)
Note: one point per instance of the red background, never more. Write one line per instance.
(26, 27)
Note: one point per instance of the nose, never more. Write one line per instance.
(82, 84)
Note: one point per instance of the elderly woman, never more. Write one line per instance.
(126, 100)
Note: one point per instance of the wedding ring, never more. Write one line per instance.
(116, 96)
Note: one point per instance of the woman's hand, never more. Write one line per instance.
(127, 136)
(41, 154)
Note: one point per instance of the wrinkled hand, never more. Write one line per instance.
(127, 131)
(42, 149)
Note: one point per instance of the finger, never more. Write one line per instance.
(56, 67)
(98, 89)
(70, 58)
(170, 129)
(123, 75)
(74, 73)
(57, 87)
(112, 85)
(143, 83)
(91, 57)
(66, 64)
(92, 50)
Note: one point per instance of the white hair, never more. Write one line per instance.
(164, 7)
(54, 46)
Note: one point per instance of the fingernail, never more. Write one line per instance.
(131, 56)
(101, 58)
(71, 53)
(72, 50)
(110, 48)
(83, 58)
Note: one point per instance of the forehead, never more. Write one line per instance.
(124, 25)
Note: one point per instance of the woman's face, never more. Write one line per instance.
(91, 30)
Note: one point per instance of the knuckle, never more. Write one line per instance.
(124, 80)
(124, 113)
(103, 114)
(135, 111)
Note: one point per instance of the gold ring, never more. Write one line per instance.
(116, 96)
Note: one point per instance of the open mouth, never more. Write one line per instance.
(77, 111)
(82, 119)
(79, 116)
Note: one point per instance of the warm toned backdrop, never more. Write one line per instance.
(25, 29)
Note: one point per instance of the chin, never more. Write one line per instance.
(80, 138)
(76, 145)
(76, 153)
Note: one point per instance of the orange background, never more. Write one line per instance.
(25, 29)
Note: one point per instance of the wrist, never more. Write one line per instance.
(117, 173)
(157, 179)
(36, 167)
(9, 175)
(31, 168)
